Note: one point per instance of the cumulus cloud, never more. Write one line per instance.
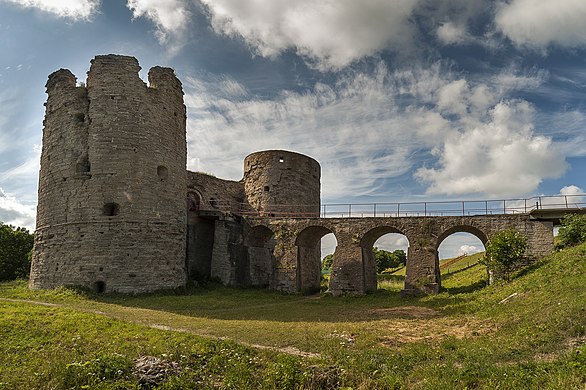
(540, 23)
(72, 9)
(13, 212)
(573, 195)
(468, 250)
(331, 34)
(449, 33)
(571, 190)
(500, 157)
(169, 16)
(354, 128)
(368, 128)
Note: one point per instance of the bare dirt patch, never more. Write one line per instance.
(398, 333)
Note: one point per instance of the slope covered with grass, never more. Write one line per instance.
(529, 333)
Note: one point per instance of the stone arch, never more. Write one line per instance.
(368, 261)
(459, 228)
(309, 257)
(481, 235)
(194, 200)
(260, 245)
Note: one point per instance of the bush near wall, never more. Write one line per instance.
(572, 231)
(16, 244)
(505, 252)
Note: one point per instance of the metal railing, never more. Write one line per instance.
(404, 209)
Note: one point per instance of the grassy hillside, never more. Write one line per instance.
(530, 333)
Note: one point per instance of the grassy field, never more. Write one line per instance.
(530, 333)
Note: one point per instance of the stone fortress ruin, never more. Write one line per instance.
(118, 211)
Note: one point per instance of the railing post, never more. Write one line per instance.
(504, 206)
(566, 199)
(349, 210)
(525, 206)
(398, 208)
(486, 207)
(374, 211)
(540, 203)
(463, 209)
(425, 209)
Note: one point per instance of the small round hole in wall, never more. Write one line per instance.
(281, 159)
(162, 172)
(111, 209)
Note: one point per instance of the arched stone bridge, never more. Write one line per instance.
(286, 252)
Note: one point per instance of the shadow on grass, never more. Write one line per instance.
(214, 301)
(448, 275)
(466, 289)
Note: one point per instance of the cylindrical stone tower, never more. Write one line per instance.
(111, 212)
(278, 181)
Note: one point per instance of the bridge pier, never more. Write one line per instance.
(285, 256)
(422, 269)
(353, 268)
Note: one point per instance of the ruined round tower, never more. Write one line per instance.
(111, 212)
(282, 182)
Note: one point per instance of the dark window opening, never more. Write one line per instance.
(100, 287)
(82, 167)
(111, 209)
(281, 159)
(267, 188)
(214, 203)
(79, 117)
(162, 172)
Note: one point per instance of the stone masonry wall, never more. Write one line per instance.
(275, 180)
(353, 269)
(111, 211)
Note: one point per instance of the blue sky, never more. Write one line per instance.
(399, 100)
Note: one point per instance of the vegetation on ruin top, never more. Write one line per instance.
(529, 333)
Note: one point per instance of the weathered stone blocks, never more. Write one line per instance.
(111, 212)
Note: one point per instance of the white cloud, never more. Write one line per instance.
(331, 33)
(540, 23)
(354, 129)
(368, 128)
(13, 212)
(573, 196)
(170, 17)
(499, 157)
(449, 33)
(571, 190)
(468, 250)
(72, 9)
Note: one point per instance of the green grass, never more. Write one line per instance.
(245, 338)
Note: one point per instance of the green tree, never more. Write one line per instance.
(401, 255)
(16, 244)
(573, 230)
(505, 252)
(385, 259)
(326, 264)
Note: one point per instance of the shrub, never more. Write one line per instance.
(573, 231)
(505, 252)
(16, 244)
